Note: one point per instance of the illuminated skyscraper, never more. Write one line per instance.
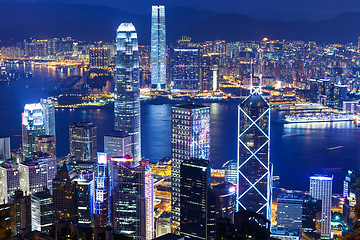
(83, 141)
(46, 144)
(254, 186)
(190, 138)
(194, 188)
(32, 125)
(48, 105)
(9, 179)
(127, 86)
(37, 119)
(132, 198)
(101, 214)
(158, 47)
(186, 69)
(321, 188)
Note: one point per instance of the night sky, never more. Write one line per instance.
(274, 9)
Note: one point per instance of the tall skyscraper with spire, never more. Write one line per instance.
(158, 47)
(127, 86)
(254, 183)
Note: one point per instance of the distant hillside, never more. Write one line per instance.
(85, 22)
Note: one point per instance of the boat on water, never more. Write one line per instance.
(310, 118)
(335, 148)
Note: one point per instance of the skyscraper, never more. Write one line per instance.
(42, 216)
(33, 124)
(37, 119)
(194, 188)
(254, 184)
(158, 47)
(118, 144)
(190, 138)
(64, 203)
(127, 86)
(321, 188)
(5, 152)
(48, 107)
(186, 69)
(9, 179)
(132, 198)
(46, 144)
(101, 216)
(83, 141)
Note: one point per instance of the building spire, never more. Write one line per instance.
(256, 89)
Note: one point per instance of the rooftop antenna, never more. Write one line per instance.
(253, 88)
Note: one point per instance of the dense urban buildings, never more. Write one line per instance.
(186, 70)
(158, 47)
(127, 84)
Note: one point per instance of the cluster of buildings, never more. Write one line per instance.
(109, 194)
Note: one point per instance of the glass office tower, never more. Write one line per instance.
(127, 86)
(190, 138)
(33, 125)
(254, 169)
(158, 47)
(186, 70)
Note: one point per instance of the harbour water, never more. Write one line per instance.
(297, 150)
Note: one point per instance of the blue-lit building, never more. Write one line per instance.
(127, 86)
(254, 185)
(186, 69)
(190, 138)
(101, 209)
(158, 47)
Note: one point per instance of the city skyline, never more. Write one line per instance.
(193, 139)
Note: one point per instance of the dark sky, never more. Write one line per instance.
(262, 8)
(311, 10)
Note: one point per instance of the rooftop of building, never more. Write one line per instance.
(190, 106)
(169, 236)
(120, 134)
(83, 124)
(43, 195)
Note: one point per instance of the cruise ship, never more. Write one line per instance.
(309, 118)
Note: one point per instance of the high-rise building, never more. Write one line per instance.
(289, 211)
(36, 173)
(132, 198)
(22, 206)
(42, 216)
(48, 106)
(118, 144)
(158, 47)
(186, 69)
(127, 86)
(99, 57)
(83, 141)
(64, 203)
(9, 179)
(46, 144)
(254, 184)
(190, 138)
(84, 197)
(37, 119)
(101, 213)
(194, 188)
(321, 188)
(230, 171)
(352, 198)
(5, 152)
(33, 125)
(163, 224)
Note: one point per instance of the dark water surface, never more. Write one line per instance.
(297, 150)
